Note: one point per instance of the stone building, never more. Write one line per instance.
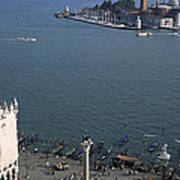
(8, 141)
(164, 15)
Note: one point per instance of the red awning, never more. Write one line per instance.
(126, 158)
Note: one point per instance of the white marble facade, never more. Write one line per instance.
(8, 141)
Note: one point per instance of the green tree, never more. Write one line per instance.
(118, 6)
(106, 5)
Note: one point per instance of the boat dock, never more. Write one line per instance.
(102, 23)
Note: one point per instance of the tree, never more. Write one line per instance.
(106, 5)
(96, 6)
(118, 6)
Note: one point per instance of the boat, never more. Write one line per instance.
(77, 155)
(80, 155)
(70, 152)
(59, 15)
(109, 150)
(153, 146)
(57, 149)
(67, 151)
(144, 34)
(123, 141)
(150, 135)
(100, 146)
(151, 149)
(177, 141)
(27, 39)
(102, 158)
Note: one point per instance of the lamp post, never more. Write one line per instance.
(164, 157)
(86, 144)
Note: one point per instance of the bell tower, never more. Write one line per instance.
(144, 5)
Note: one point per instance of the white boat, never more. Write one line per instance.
(177, 141)
(144, 34)
(27, 39)
(150, 135)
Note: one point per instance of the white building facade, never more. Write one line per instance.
(8, 141)
(166, 23)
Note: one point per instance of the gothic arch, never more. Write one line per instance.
(13, 174)
(2, 178)
(8, 176)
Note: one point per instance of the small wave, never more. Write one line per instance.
(174, 34)
(150, 135)
(168, 34)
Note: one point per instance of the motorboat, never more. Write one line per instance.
(67, 151)
(177, 141)
(58, 149)
(153, 146)
(59, 15)
(144, 34)
(123, 141)
(150, 135)
(27, 39)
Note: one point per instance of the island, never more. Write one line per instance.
(123, 14)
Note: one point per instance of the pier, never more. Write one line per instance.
(102, 23)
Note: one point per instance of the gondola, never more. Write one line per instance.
(123, 141)
(67, 151)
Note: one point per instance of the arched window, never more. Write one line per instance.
(2, 178)
(13, 174)
(8, 176)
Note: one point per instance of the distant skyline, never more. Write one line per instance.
(75, 5)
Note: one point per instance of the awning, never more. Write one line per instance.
(126, 158)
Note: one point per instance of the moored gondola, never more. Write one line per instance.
(67, 151)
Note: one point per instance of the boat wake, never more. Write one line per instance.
(168, 34)
(26, 39)
(174, 34)
(23, 39)
(7, 40)
(150, 135)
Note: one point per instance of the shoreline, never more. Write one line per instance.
(102, 23)
(36, 153)
(37, 166)
(113, 25)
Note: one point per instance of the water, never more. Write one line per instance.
(84, 78)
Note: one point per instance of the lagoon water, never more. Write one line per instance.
(84, 78)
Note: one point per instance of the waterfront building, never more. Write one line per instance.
(161, 15)
(166, 23)
(174, 3)
(178, 20)
(9, 141)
